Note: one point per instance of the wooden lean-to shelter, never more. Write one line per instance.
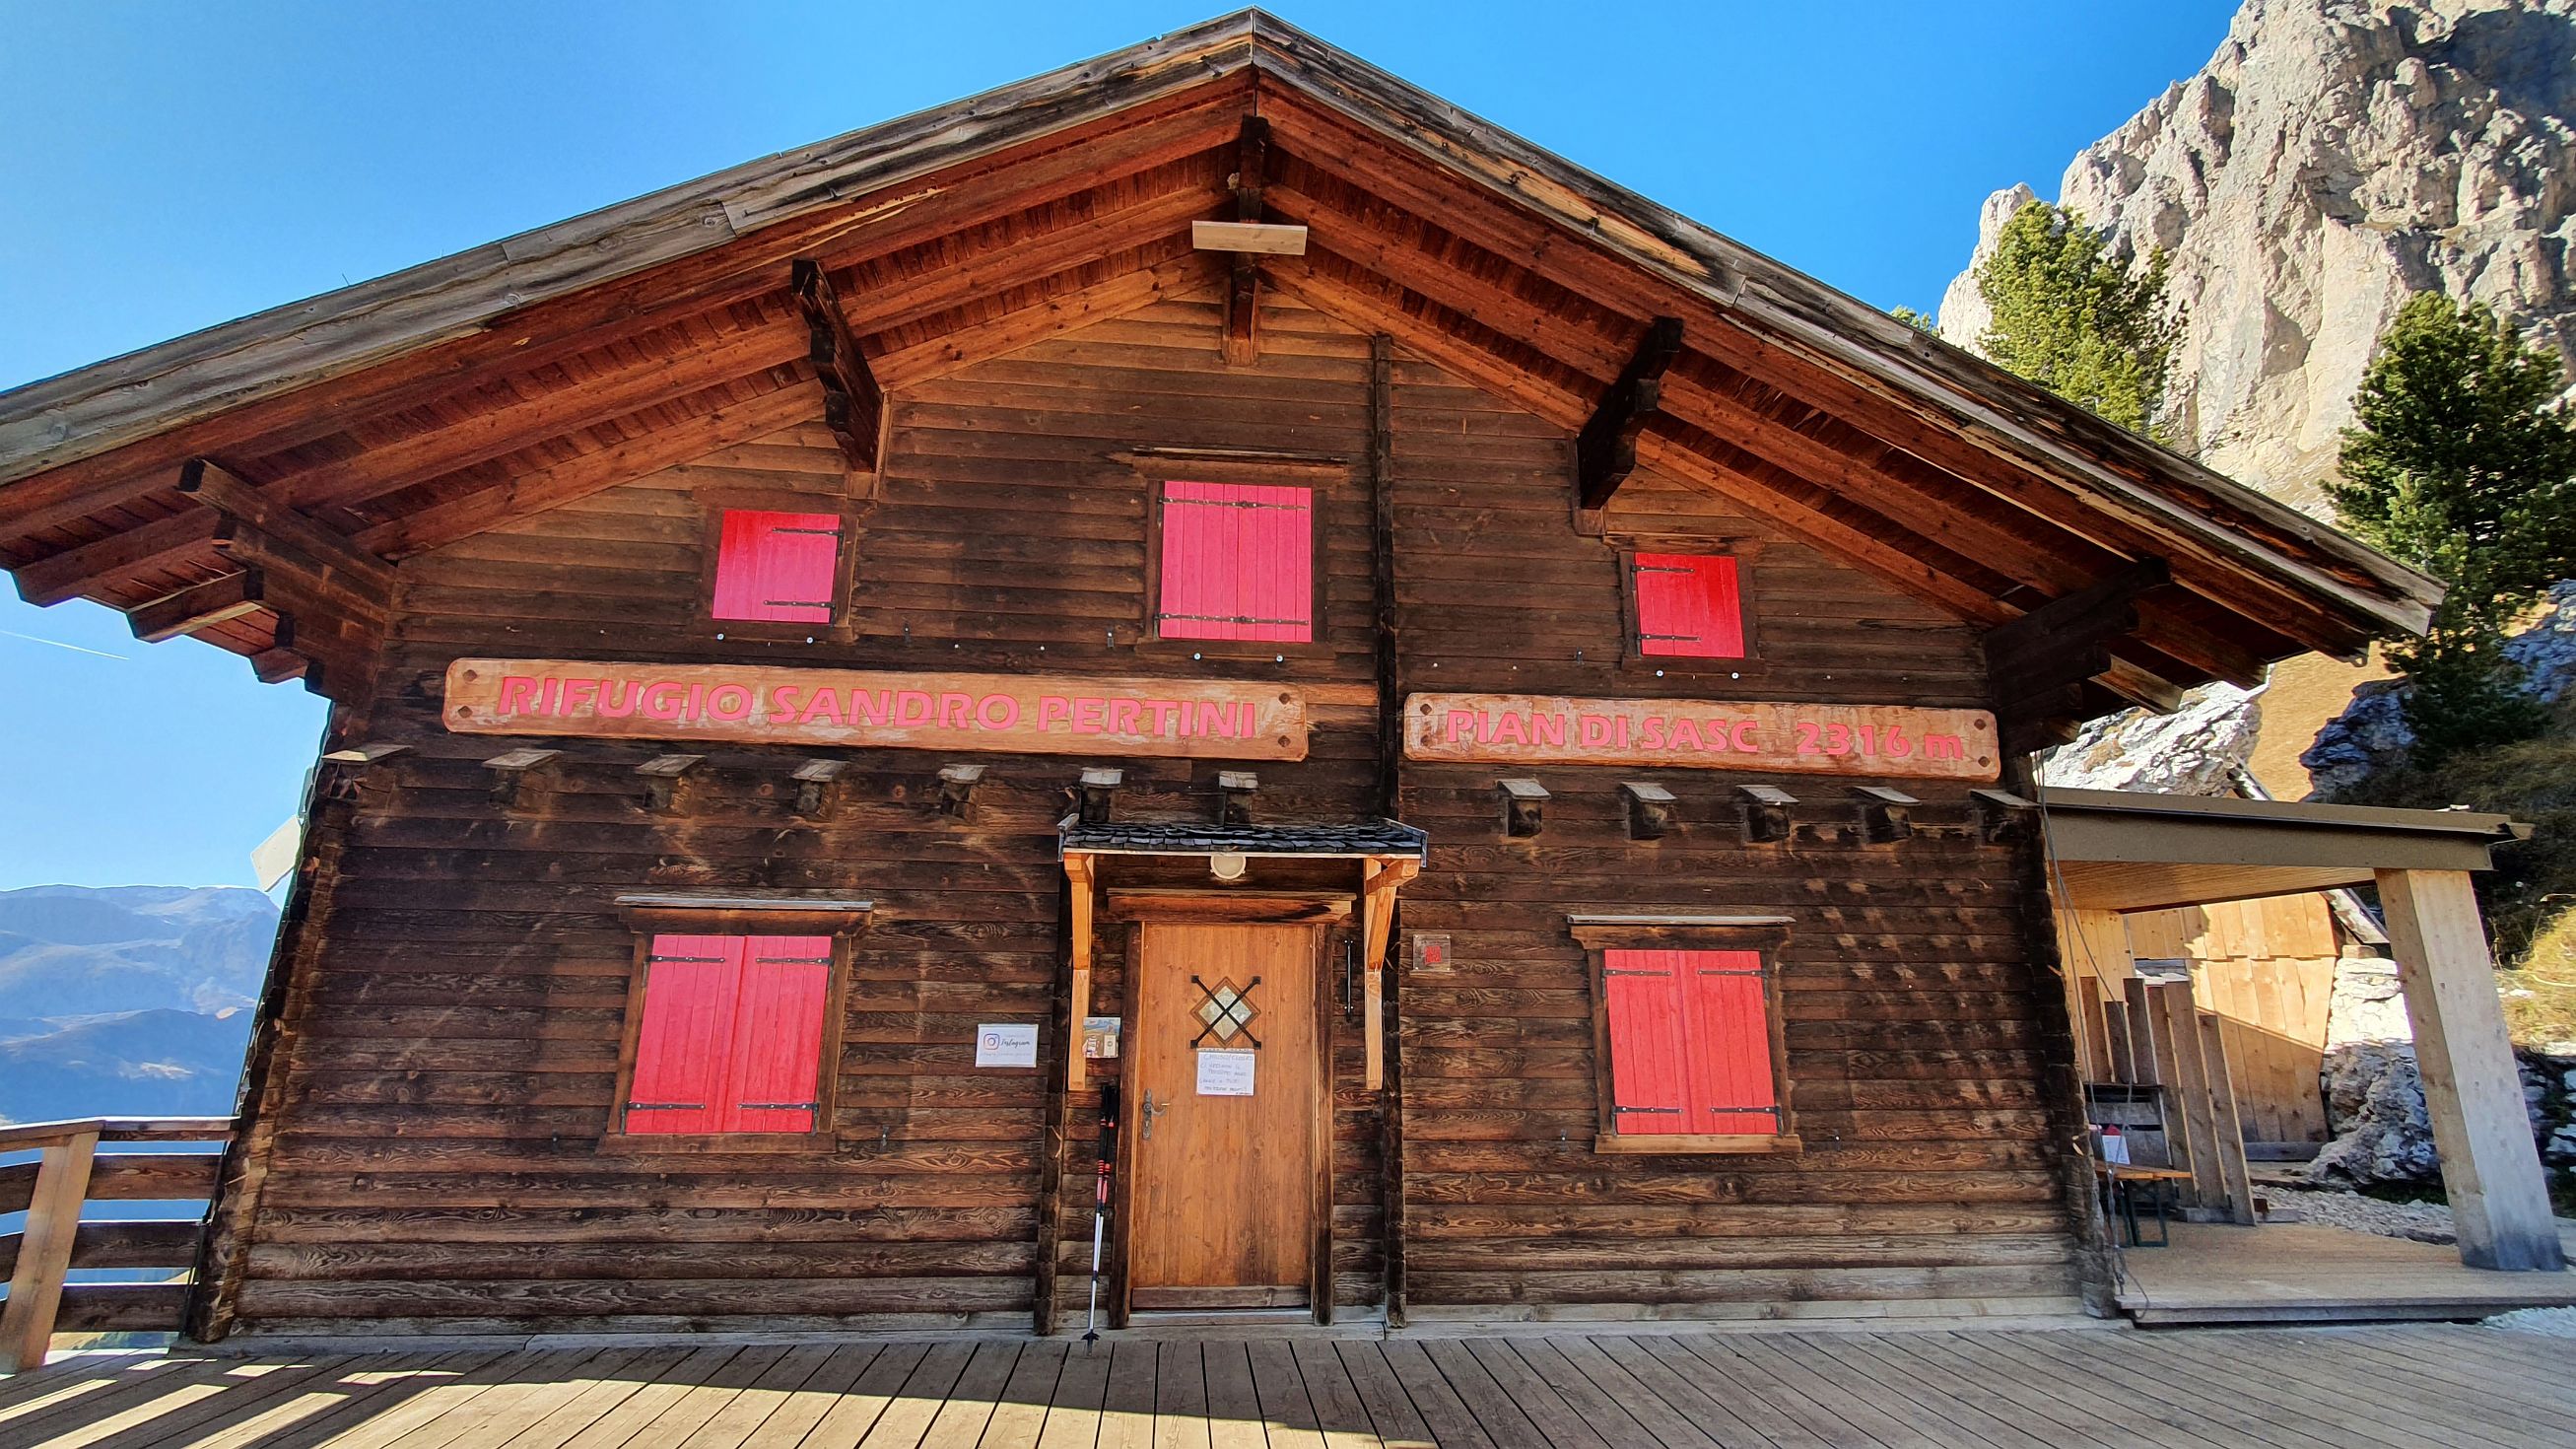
(1486, 717)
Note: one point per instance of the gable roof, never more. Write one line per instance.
(429, 404)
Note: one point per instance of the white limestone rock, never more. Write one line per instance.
(2334, 157)
(2196, 750)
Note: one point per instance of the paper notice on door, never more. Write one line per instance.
(1006, 1044)
(1226, 1073)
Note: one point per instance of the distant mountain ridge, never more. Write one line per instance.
(127, 1000)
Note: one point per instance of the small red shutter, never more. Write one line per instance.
(778, 1035)
(1732, 1088)
(690, 983)
(1689, 605)
(1649, 1076)
(778, 566)
(1238, 562)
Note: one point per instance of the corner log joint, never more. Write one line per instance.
(1605, 452)
(853, 403)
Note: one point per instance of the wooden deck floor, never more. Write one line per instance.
(2398, 1388)
(2216, 1273)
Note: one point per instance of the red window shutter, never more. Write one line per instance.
(1732, 1087)
(1649, 1048)
(777, 1038)
(777, 566)
(690, 983)
(1238, 562)
(1689, 606)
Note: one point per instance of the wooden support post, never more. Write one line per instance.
(853, 403)
(1242, 343)
(2490, 1167)
(45, 1250)
(2151, 1061)
(2115, 1030)
(1078, 878)
(1382, 877)
(2225, 1121)
(1605, 452)
(2187, 1090)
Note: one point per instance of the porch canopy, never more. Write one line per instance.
(2122, 852)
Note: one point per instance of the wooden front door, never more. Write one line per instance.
(1225, 1117)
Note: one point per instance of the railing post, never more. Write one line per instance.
(45, 1249)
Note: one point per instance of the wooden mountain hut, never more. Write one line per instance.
(1210, 607)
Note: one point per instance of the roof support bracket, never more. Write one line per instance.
(1605, 452)
(2043, 662)
(853, 404)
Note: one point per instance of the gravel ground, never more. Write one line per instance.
(2553, 1322)
(2423, 1222)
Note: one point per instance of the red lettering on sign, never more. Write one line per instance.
(662, 700)
(518, 694)
(1006, 716)
(954, 709)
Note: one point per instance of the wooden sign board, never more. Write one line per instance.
(770, 705)
(1758, 738)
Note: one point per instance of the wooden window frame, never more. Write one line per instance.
(1765, 940)
(714, 504)
(1632, 634)
(843, 926)
(1319, 480)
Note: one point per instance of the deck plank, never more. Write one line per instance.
(1772, 1388)
(1127, 1407)
(1180, 1397)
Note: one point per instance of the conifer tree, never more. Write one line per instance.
(2077, 319)
(2461, 463)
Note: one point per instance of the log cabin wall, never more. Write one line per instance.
(1913, 1033)
(433, 1158)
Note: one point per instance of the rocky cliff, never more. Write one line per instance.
(2334, 157)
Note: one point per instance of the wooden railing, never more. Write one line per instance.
(51, 1191)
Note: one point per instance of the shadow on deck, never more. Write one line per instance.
(2395, 1385)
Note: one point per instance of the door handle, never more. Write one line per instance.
(1150, 1112)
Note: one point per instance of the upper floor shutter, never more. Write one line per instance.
(1238, 562)
(1650, 1082)
(773, 1081)
(685, 1039)
(1733, 1088)
(1688, 605)
(777, 566)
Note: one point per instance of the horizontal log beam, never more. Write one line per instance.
(199, 606)
(344, 564)
(1605, 452)
(853, 404)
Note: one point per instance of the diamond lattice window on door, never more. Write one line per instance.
(1227, 1012)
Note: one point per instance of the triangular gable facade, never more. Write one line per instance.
(428, 405)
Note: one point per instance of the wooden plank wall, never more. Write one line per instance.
(451, 1056)
(448, 1048)
(1911, 1015)
(2267, 968)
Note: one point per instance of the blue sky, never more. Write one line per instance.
(173, 166)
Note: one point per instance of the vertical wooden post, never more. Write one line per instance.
(1077, 873)
(45, 1249)
(1377, 905)
(2187, 1090)
(2228, 1126)
(2490, 1167)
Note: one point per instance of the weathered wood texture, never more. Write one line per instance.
(2267, 968)
(1910, 1019)
(449, 1037)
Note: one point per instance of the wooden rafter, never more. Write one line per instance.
(1605, 452)
(259, 525)
(853, 404)
(2041, 661)
(1241, 344)
(198, 606)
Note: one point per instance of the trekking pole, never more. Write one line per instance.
(1100, 1206)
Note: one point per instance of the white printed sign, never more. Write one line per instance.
(1226, 1073)
(1006, 1044)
